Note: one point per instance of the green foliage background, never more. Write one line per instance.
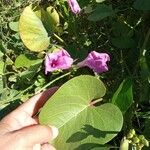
(120, 28)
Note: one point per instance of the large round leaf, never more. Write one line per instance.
(32, 31)
(81, 124)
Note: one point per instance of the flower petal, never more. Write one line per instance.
(57, 60)
(96, 61)
(75, 8)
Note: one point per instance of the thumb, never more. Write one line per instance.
(36, 134)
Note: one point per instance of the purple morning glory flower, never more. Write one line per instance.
(57, 60)
(96, 61)
(75, 8)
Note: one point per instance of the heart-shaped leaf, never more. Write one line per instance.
(80, 123)
(32, 31)
(26, 60)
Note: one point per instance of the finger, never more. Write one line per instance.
(36, 134)
(17, 121)
(37, 147)
(47, 147)
(32, 106)
(36, 119)
(21, 117)
(43, 147)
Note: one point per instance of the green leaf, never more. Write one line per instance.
(146, 131)
(1, 84)
(79, 122)
(121, 29)
(123, 42)
(1, 67)
(100, 1)
(51, 19)
(32, 31)
(88, 9)
(31, 71)
(123, 97)
(25, 61)
(101, 11)
(5, 94)
(92, 146)
(142, 5)
(1, 54)
(14, 26)
(38, 13)
(145, 78)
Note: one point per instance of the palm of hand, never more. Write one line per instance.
(20, 129)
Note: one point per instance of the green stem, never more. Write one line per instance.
(60, 39)
(95, 102)
(53, 81)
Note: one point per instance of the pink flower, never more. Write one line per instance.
(75, 8)
(57, 60)
(96, 61)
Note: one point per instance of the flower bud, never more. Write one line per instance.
(135, 140)
(139, 147)
(124, 145)
(141, 137)
(75, 8)
(145, 142)
(132, 131)
(96, 61)
(130, 135)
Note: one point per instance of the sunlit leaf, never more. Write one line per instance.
(31, 71)
(2, 64)
(25, 61)
(38, 13)
(81, 124)
(100, 1)
(14, 26)
(1, 67)
(32, 31)
(52, 18)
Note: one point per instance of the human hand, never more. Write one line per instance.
(20, 130)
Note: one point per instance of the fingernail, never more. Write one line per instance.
(54, 132)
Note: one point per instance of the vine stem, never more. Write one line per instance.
(95, 102)
(53, 81)
(60, 39)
